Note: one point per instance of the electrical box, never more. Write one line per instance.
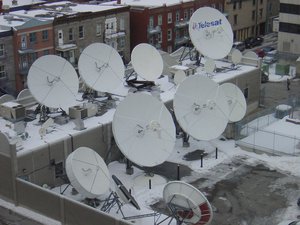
(77, 112)
(12, 111)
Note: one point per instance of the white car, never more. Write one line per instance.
(289, 222)
(270, 57)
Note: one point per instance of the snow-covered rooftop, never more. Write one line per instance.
(151, 3)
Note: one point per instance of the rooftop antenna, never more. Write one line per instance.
(144, 130)
(53, 82)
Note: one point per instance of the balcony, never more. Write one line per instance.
(114, 34)
(154, 30)
(26, 49)
(182, 40)
(182, 24)
(66, 47)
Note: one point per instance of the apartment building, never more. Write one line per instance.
(7, 66)
(247, 17)
(289, 28)
(163, 24)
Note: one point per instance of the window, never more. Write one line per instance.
(122, 24)
(159, 37)
(253, 2)
(246, 93)
(177, 34)
(240, 4)
(170, 49)
(151, 22)
(191, 12)
(45, 35)
(159, 20)
(46, 52)
(23, 41)
(98, 29)
(235, 19)
(2, 50)
(253, 15)
(234, 5)
(121, 42)
(261, 1)
(185, 15)
(260, 13)
(169, 17)
(177, 16)
(71, 34)
(32, 37)
(81, 32)
(169, 34)
(2, 71)
(151, 41)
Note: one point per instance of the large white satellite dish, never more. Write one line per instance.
(53, 82)
(201, 107)
(187, 203)
(25, 93)
(179, 76)
(147, 61)
(236, 56)
(101, 67)
(6, 98)
(211, 32)
(144, 129)
(236, 101)
(251, 55)
(87, 172)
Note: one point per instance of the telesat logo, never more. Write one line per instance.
(205, 24)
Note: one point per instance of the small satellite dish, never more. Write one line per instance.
(236, 56)
(251, 55)
(179, 76)
(25, 93)
(6, 98)
(144, 129)
(236, 101)
(187, 203)
(101, 67)
(147, 61)
(201, 107)
(211, 33)
(53, 82)
(124, 194)
(209, 66)
(87, 172)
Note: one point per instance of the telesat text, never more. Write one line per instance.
(205, 24)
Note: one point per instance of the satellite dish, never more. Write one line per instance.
(101, 67)
(147, 61)
(87, 172)
(236, 101)
(25, 93)
(201, 107)
(251, 55)
(236, 56)
(209, 65)
(179, 76)
(187, 203)
(211, 33)
(124, 194)
(53, 82)
(144, 129)
(6, 98)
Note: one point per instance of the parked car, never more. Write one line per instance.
(268, 49)
(239, 45)
(260, 52)
(253, 41)
(270, 57)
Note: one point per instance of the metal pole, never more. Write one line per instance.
(216, 153)
(178, 172)
(201, 160)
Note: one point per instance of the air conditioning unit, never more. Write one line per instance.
(12, 111)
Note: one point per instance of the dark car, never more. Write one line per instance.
(268, 49)
(253, 41)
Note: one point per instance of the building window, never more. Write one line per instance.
(213, 5)
(122, 24)
(46, 52)
(2, 50)
(253, 2)
(2, 71)
(177, 34)
(191, 12)
(71, 34)
(289, 28)
(159, 20)
(177, 16)
(185, 15)
(32, 37)
(234, 6)
(81, 32)
(121, 42)
(170, 49)
(260, 13)
(261, 1)
(151, 22)
(253, 15)
(159, 37)
(45, 35)
(240, 4)
(246, 93)
(169, 17)
(169, 34)
(151, 41)
(235, 19)
(98, 29)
